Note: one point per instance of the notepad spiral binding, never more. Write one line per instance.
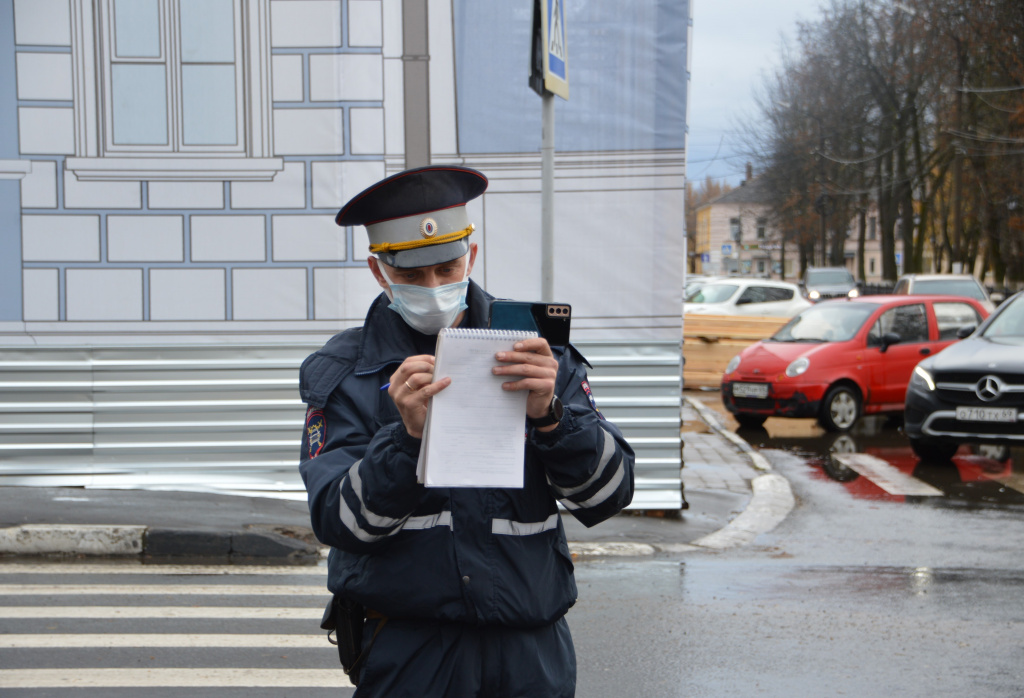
(472, 333)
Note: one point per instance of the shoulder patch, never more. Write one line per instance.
(315, 435)
(590, 396)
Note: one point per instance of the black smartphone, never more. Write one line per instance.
(549, 320)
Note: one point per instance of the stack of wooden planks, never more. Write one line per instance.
(710, 341)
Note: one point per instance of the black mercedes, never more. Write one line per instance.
(972, 391)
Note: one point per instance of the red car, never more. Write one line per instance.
(844, 358)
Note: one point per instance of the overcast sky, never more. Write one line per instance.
(734, 43)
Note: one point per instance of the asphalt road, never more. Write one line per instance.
(850, 596)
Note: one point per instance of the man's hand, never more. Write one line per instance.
(538, 368)
(411, 388)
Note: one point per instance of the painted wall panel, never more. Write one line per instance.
(187, 294)
(60, 238)
(228, 238)
(104, 294)
(41, 289)
(42, 22)
(252, 302)
(305, 23)
(45, 76)
(39, 187)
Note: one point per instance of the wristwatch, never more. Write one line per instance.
(554, 415)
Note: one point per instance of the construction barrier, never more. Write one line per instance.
(710, 341)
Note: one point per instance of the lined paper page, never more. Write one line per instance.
(474, 435)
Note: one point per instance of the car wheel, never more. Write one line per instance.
(750, 421)
(933, 450)
(840, 409)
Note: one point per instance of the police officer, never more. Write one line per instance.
(466, 588)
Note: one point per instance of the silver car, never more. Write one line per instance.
(963, 285)
(744, 296)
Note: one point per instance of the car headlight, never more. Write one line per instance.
(922, 379)
(814, 295)
(854, 293)
(733, 364)
(797, 367)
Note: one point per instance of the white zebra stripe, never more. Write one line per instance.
(112, 640)
(156, 589)
(159, 612)
(288, 679)
(123, 567)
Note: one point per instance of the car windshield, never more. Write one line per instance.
(1009, 322)
(836, 276)
(965, 288)
(714, 293)
(692, 288)
(829, 322)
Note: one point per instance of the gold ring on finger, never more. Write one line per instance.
(411, 389)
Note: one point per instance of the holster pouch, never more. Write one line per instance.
(345, 618)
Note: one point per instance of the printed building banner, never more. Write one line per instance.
(171, 168)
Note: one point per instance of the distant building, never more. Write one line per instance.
(736, 235)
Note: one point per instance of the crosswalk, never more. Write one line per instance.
(183, 630)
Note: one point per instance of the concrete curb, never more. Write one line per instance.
(152, 542)
(770, 504)
(711, 419)
(69, 539)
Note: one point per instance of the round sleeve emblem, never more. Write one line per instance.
(428, 227)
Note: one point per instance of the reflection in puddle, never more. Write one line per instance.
(978, 474)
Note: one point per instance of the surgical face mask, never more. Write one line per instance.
(427, 309)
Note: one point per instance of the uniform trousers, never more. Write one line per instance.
(426, 659)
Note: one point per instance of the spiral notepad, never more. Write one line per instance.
(474, 435)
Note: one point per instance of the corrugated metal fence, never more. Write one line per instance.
(227, 418)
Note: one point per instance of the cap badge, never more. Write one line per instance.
(428, 227)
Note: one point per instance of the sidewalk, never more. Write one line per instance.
(732, 493)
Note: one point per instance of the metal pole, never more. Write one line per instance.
(821, 192)
(547, 198)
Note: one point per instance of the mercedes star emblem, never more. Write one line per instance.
(989, 388)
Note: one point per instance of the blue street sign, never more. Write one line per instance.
(726, 249)
(556, 57)
(705, 257)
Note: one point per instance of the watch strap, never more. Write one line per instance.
(554, 415)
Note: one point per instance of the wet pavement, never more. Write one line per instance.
(874, 461)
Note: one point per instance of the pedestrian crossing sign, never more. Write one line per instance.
(552, 42)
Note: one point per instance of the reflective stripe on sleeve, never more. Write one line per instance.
(606, 456)
(348, 517)
(419, 523)
(375, 520)
(506, 527)
(406, 523)
(602, 494)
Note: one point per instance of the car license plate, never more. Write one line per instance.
(986, 414)
(750, 390)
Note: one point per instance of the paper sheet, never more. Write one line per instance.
(475, 431)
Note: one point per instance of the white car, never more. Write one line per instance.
(947, 284)
(759, 297)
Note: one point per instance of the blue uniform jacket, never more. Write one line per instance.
(474, 555)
